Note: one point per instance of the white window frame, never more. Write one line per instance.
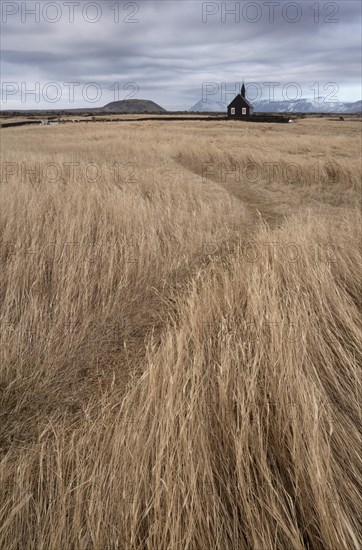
(232, 111)
(243, 112)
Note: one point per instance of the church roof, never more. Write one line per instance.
(239, 98)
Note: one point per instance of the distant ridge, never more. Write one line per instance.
(296, 106)
(127, 106)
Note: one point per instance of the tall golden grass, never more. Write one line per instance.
(181, 337)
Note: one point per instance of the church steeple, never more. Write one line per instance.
(243, 90)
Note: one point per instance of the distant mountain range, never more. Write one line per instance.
(116, 107)
(136, 106)
(293, 106)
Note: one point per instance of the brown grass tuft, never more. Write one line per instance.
(181, 344)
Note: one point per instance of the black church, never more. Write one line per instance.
(240, 107)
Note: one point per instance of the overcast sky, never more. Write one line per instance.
(83, 54)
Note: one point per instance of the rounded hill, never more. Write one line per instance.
(133, 106)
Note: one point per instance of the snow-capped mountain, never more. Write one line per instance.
(209, 107)
(304, 105)
(355, 107)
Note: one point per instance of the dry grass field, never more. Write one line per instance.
(181, 336)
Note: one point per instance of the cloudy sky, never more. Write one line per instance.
(83, 54)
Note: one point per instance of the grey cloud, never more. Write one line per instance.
(171, 51)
